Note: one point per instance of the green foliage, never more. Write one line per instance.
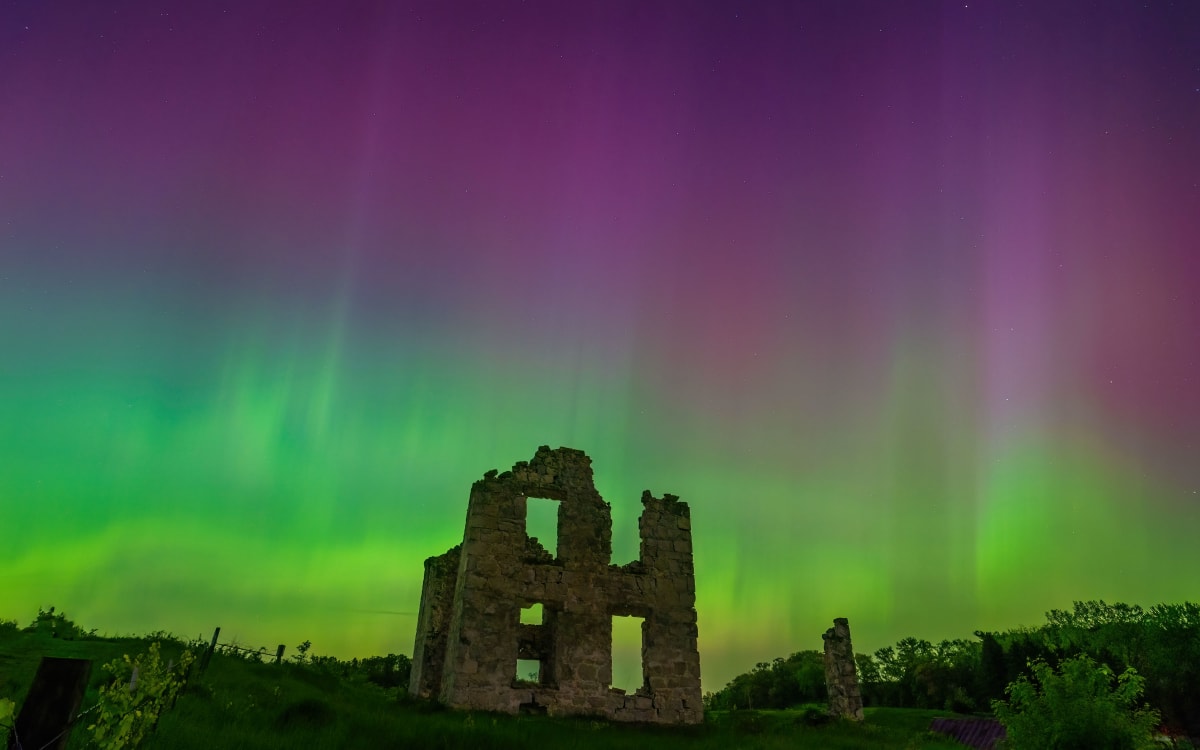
(919, 674)
(301, 655)
(782, 683)
(1079, 706)
(57, 625)
(992, 677)
(1161, 642)
(328, 703)
(241, 705)
(142, 688)
(811, 715)
(6, 712)
(391, 671)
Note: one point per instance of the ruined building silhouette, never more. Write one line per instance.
(469, 631)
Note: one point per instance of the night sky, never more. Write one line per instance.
(901, 297)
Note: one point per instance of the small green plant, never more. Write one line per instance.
(301, 655)
(1076, 706)
(141, 690)
(7, 707)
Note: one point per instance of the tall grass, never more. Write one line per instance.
(242, 705)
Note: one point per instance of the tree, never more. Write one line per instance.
(1076, 707)
(917, 673)
(782, 683)
(992, 676)
(1170, 661)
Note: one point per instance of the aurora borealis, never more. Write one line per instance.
(901, 298)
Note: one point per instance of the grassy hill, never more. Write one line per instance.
(242, 704)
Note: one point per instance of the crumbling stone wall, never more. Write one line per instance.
(468, 641)
(841, 677)
(437, 600)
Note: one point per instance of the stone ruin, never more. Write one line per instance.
(841, 677)
(469, 630)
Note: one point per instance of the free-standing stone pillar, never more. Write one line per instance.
(841, 678)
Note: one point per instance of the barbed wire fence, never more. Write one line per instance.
(233, 647)
(13, 738)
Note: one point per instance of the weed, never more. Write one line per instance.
(308, 713)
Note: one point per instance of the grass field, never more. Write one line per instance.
(251, 706)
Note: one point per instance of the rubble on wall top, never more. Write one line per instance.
(668, 503)
(534, 552)
(554, 473)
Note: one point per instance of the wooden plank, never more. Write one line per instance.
(209, 652)
(53, 700)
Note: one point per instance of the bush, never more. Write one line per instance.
(309, 713)
(1076, 707)
(813, 716)
(142, 688)
(57, 625)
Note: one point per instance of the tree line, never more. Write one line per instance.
(1162, 644)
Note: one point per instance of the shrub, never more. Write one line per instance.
(142, 688)
(813, 716)
(1077, 707)
(309, 713)
(57, 625)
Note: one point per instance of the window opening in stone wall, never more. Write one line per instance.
(529, 670)
(626, 536)
(541, 522)
(628, 672)
(532, 615)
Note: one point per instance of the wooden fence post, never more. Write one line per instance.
(211, 648)
(279, 654)
(52, 702)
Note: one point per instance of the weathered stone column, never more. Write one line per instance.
(481, 645)
(669, 649)
(433, 624)
(841, 677)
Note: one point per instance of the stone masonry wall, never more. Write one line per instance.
(433, 621)
(841, 677)
(500, 571)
